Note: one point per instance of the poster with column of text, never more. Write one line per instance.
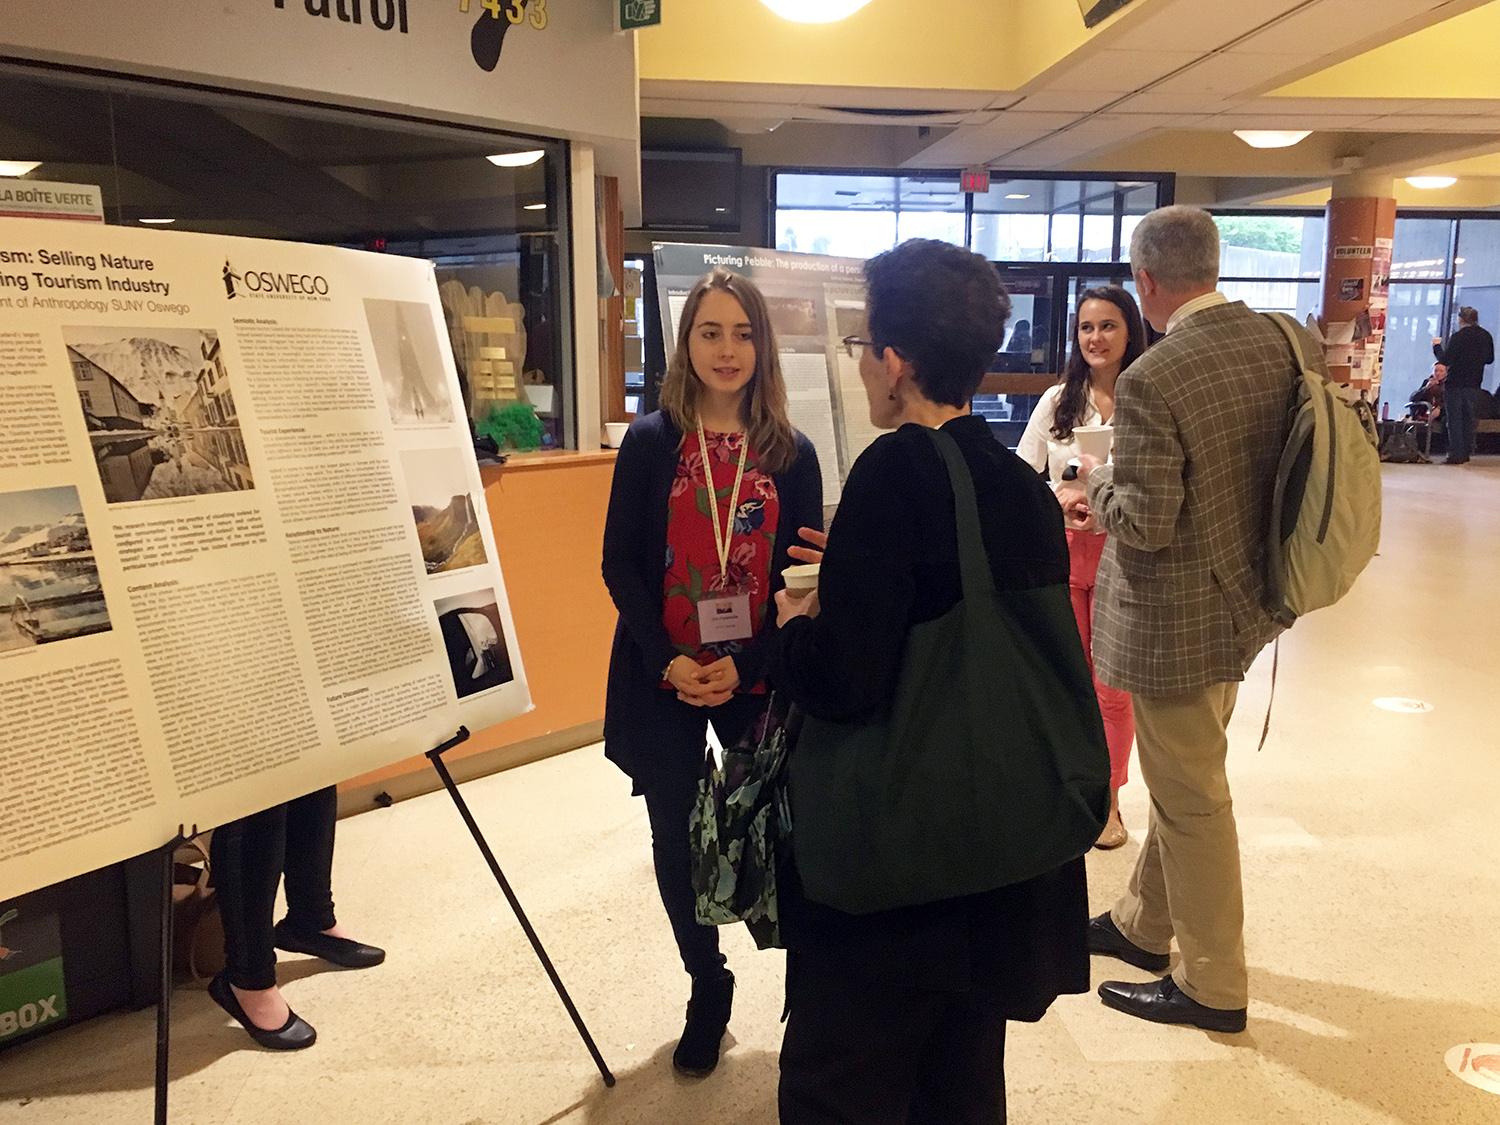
(244, 549)
(815, 301)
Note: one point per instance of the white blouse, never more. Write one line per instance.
(1039, 448)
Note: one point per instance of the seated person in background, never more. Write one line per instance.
(1427, 400)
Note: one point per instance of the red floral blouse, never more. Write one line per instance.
(692, 558)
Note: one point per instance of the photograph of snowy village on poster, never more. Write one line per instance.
(243, 544)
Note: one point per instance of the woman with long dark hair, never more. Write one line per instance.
(709, 493)
(1109, 337)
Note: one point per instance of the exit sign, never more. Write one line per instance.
(639, 13)
(974, 180)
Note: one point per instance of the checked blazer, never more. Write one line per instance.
(1200, 421)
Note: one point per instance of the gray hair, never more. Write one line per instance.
(1178, 246)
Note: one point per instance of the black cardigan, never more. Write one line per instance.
(892, 562)
(635, 559)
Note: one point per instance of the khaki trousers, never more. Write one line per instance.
(1186, 882)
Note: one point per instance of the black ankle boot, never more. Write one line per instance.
(707, 1017)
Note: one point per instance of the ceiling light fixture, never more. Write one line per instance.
(1018, 195)
(516, 159)
(1431, 183)
(18, 167)
(815, 11)
(1272, 138)
(157, 222)
(535, 207)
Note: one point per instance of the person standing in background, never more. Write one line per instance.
(708, 495)
(1109, 338)
(1469, 351)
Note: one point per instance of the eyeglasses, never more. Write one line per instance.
(852, 342)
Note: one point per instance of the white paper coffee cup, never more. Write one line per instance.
(801, 580)
(1094, 441)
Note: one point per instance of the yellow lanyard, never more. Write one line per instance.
(724, 536)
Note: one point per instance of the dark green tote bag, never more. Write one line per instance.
(989, 766)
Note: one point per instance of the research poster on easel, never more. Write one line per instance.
(815, 301)
(244, 549)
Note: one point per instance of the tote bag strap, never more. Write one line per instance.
(974, 563)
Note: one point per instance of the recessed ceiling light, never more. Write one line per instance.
(516, 159)
(815, 11)
(1018, 195)
(1431, 183)
(18, 167)
(1272, 138)
(157, 222)
(721, 210)
(535, 207)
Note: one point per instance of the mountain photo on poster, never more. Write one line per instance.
(437, 481)
(411, 365)
(159, 406)
(475, 641)
(49, 581)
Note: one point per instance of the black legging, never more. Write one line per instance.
(669, 804)
(249, 857)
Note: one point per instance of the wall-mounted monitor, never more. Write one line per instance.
(696, 189)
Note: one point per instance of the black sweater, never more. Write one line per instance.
(634, 566)
(1470, 350)
(892, 562)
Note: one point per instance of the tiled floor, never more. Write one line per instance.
(1372, 877)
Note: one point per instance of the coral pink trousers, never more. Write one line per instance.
(1084, 551)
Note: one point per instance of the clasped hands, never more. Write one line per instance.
(704, 685)
(1073, 496)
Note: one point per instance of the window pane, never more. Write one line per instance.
(1295, 297)
(1012, 237)
(1478, 269)
(1280, 246)
(845, 234)
(1422, 248)
(1411, 322)
(941, 225)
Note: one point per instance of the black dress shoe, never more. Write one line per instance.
(293, 1035)
(1164, 1002)
(339, 951)
(1105, 938)
(697, 1052)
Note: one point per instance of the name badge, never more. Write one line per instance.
(725, 618)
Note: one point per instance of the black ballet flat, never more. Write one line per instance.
(293, 1035)
(339, 951)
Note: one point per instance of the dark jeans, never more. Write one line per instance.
(669, 804)
(1461, 406)
(249, 858)
(862, 1053)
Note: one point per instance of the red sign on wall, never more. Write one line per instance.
(974, 180)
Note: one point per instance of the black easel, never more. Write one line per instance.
(435, 756)
(164, 1000)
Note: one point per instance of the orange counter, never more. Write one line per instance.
(548, 513)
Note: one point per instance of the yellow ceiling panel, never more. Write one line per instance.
(1452, 59)
(894, 44)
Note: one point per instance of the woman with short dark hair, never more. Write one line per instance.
(900, 1015)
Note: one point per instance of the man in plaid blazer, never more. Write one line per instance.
(1199, 424)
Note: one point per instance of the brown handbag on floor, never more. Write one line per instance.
(197, 930)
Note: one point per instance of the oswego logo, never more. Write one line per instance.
(486, 39)
(273, 285)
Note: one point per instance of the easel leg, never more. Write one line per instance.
(164, 1000)
(436, 757)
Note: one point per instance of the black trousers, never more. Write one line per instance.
(859, 1053)
(669, 804)
(249, 858)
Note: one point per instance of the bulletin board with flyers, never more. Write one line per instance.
(243, 549)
